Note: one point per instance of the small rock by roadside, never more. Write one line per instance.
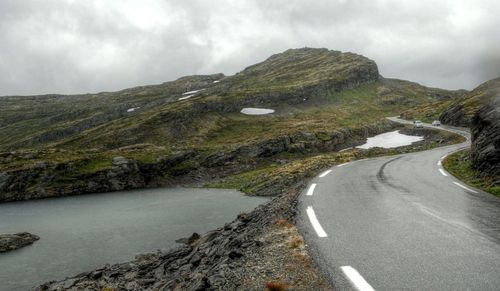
(10, 242)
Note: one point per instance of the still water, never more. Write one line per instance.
(80, 233)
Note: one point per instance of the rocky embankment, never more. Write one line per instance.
(10, 242)
(485, 132)
(43, 179)
(256, 249)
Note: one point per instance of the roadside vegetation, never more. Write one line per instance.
(460, 166)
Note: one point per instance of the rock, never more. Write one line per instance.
(462, 111)
(218, 159)
(455, 115)
(4, 178)
(485, 132)
(10, 242)
(190, 240)
(40, 165)
(119, 161)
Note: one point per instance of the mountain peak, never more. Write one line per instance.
(304, 67)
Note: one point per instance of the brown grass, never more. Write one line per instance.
(296, 242)
(276, 286)
(283, 223)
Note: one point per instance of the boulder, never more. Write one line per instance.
(10, 242)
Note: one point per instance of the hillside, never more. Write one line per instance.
(462, 111)
(456, 111)
(192, 127)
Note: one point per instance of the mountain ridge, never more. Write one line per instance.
(166, 134)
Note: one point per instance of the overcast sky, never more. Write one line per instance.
(64, 46)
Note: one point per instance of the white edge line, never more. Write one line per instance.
(315, 223)
(356, 279)
(342, 164)
(310, 192)
(443, 173)
(325, 173)
(463, 187)
(439, 163)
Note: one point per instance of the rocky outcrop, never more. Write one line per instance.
(456, 116)
(485, 132)
(10, 242)
(43, 180)
(461, 112)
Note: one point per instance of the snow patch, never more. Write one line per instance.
(132, 109)
(256, 111)
(192, 92)
(389, 140)
(186, 97)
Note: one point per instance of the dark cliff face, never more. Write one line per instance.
(455, 115)
(461, 112)
(485, 148)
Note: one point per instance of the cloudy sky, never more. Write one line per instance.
(70, 46)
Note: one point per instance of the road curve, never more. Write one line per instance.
(402, 223)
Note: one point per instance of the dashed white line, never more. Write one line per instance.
(443, 173)
(439, 163)
(463, 187)
(342, 165)
(310, 192)
(356, 279)
(325, 173)
(315, 223)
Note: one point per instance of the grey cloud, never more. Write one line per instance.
(88, 46)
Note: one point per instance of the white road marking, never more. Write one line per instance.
(325, 173)
(311, 190)
(439, 163)
(463, 187)
(443, 172)
(356, 279)
(315, 223)
(342, 164)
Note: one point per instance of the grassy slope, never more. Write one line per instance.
(459, 165)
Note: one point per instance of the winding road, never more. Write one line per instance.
(402, 223)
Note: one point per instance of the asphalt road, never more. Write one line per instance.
(402, 223)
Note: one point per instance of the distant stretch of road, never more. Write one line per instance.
(402, 223)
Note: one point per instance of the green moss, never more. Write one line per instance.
(323, 136)
(460, 166)
(242, 181)
(95, 165)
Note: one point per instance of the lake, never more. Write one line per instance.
(80, 233)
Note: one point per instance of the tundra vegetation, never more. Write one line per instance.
(323, 100)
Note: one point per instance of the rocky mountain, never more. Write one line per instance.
(462, 111)
(485, 130)
(191, 128)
